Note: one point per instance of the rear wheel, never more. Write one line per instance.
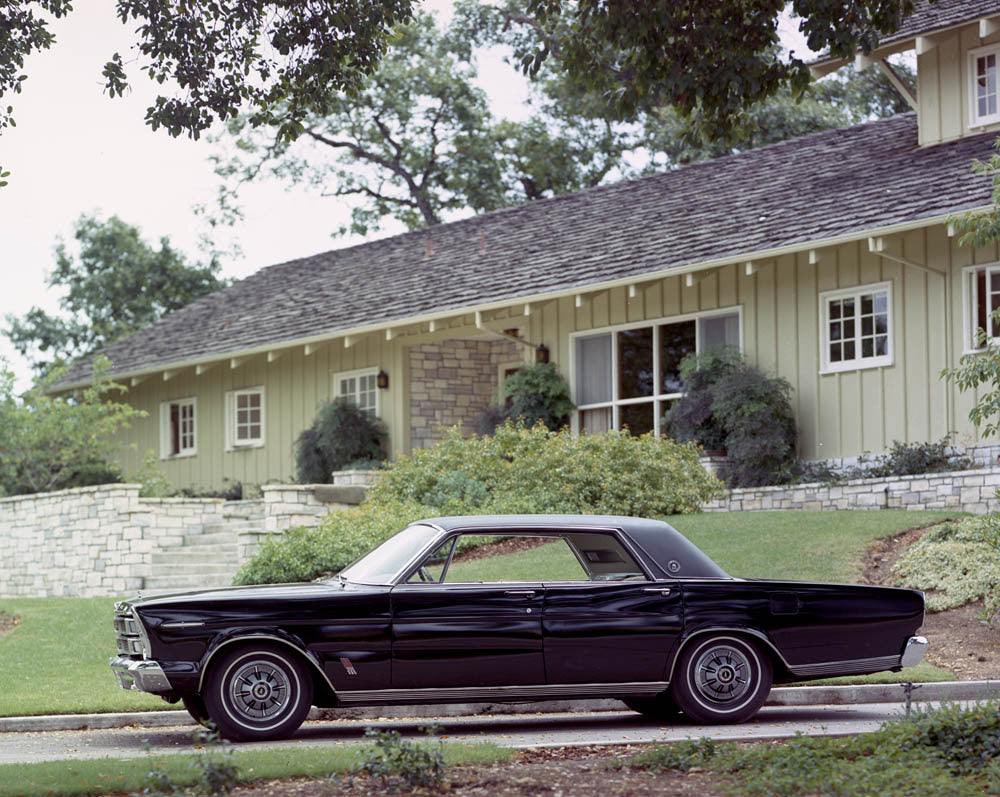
(721, 679)
(253, 694)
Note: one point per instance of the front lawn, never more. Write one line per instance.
(56, 660)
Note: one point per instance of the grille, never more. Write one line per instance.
(128, 632)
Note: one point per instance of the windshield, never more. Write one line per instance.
(382, 564)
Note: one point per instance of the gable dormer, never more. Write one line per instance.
(957, 48)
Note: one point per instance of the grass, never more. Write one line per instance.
(56, 661)
(101, 776)
(947, 751)
(801, 546)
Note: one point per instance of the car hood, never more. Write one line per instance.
(260, 592)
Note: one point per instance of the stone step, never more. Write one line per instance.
(197, 563)
(209, 538)
(165, 583)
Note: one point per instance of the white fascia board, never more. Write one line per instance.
(649, 276)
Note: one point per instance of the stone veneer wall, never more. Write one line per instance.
(452, 382)
(99, 541)
(967, 491)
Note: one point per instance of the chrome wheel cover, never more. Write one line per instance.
(259, 691)
(722, 674)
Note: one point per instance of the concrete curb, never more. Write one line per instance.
(780, 696)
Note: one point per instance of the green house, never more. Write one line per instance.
(828, 259)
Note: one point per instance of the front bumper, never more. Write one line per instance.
(913, 651)
(142, 676)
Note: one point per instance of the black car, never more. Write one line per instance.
(509, 608)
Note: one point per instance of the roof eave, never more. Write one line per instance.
(384, 326)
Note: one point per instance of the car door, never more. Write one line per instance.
(449, 630)
(615, 627)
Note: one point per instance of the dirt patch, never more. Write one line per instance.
(959, 643)
(585, 771)
(8, 622)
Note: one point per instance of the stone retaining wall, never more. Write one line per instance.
(968, 491)
(99, 541)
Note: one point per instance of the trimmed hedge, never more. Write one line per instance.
(516, 470)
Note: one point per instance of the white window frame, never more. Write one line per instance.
(357, 374)
(975, 120)
(970, 301)
(166, 435)
(615, 402)
(858, 363)
(232, 443)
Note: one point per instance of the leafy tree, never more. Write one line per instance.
(418, 141)
(51, 443)
(279, 60)
(710, 61)
(117, 285)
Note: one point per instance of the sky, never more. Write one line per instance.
(75, 151)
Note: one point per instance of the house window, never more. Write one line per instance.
(983, 96)
(629, 376)
(856, 328)
(245, 417)
(178, 428)
(360, 388)
(981, 297)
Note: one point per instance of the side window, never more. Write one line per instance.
(983, 97)
(482, 558)
(359, 387)
(856, 328)
(245, 418)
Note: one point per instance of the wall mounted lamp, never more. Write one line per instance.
(382, 380)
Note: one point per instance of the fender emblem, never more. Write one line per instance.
(348, 666)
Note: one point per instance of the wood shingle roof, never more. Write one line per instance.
(845, 182)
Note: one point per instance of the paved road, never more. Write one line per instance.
(523, 730)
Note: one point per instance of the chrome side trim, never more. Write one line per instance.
(849, 666)
(913, 651)
(191, 624)
(500, 693)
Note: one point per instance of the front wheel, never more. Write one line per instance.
(255, 694)
(721, 679)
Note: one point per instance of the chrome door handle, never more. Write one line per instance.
(520, 593)
(664, 591)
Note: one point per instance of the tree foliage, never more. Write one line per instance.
(417, 141)
(116, 285)
(55, 442)
(710, 61)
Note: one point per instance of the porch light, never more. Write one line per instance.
(382, 380)
(542, 354)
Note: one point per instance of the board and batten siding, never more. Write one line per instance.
(841, 414)
(944, 84)
(295, 384)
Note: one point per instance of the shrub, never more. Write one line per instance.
(691, 417)
(954, 563)
(911, 459)
(340, 435)
(731, 405)
(538, 393)
(756, 412)
(517, 470)
(403, 765)
(53, 443)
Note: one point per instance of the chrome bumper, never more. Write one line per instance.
(143, 676)
(913, 652)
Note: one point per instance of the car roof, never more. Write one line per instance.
(664, 548)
